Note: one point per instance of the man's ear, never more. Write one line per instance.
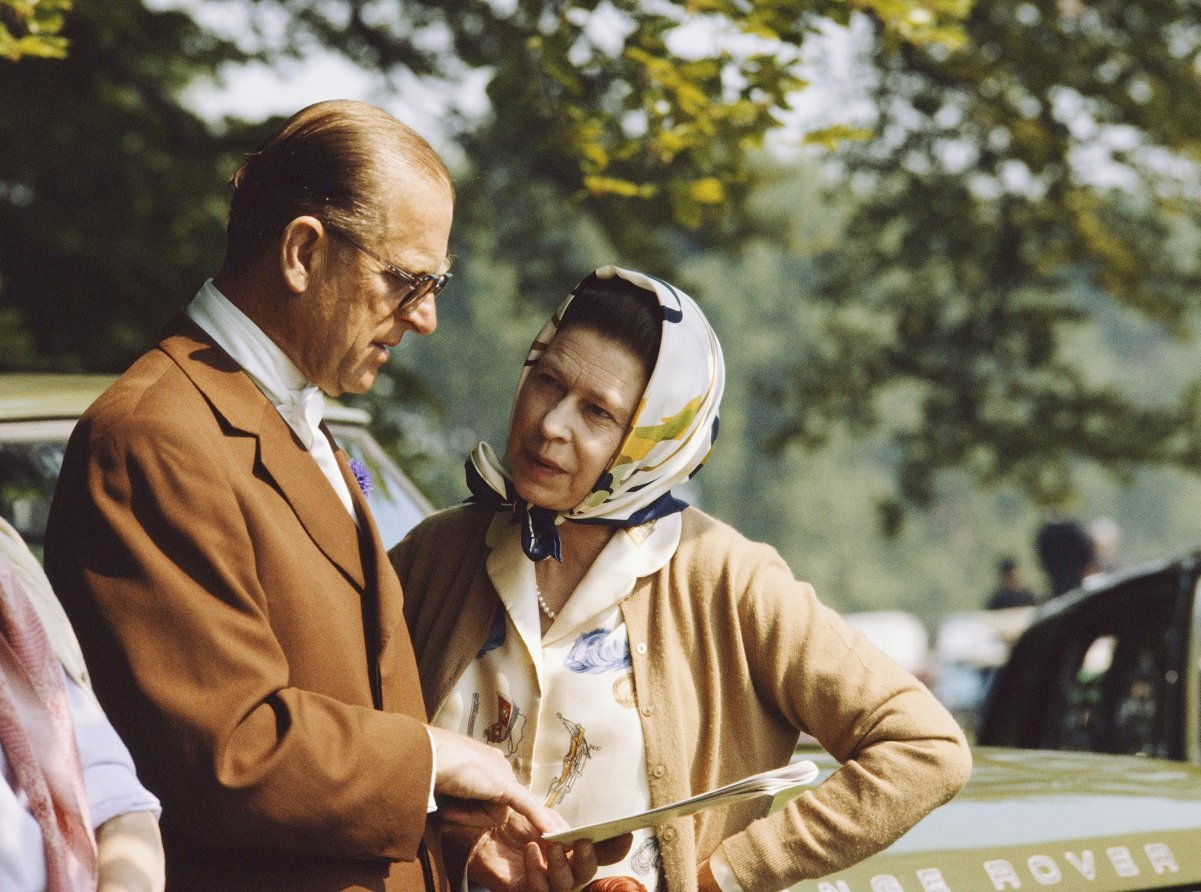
(298, 252)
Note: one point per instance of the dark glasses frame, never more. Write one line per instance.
(419, 286)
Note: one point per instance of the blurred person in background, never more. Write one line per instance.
(1067, 553)
(1010, 590)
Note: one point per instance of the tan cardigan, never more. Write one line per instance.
(732, 657)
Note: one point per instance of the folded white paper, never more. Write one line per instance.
(796, 774)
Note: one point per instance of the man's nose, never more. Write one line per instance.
(422, 315)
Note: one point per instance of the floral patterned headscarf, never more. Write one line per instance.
(670, 437)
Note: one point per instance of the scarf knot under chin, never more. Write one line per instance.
(539, 536)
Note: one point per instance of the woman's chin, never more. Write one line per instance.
(542, 497)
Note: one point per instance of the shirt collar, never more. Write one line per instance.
(301, 404)
(631, 553)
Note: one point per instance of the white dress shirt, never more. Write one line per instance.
(300, 403)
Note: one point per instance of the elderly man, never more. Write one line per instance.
(223, 572)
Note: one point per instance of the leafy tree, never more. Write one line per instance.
(642, 116)
(112, 195)
(31, 28)
(982, 233)
(1015, 186)
(110, 204)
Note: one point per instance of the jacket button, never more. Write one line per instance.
(668, 834)
(640, 648)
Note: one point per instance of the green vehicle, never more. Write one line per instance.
(1034, 819)
(38, 412)
(1088, 769)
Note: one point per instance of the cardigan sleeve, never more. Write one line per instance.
(902, 753)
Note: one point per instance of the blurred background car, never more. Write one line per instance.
(39, 411)
(969, 649)
(899, 634)
(1073, 822)
(1111, 667)
(1087, 770)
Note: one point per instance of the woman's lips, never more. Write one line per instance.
(544, 465)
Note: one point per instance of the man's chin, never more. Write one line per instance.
(361, 385)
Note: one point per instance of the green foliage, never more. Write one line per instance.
(1016, 185)
(31, 28)
(112, 195)
(978, 302)
(628, 110)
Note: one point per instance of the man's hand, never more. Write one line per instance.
(469, 770)
(513, 857)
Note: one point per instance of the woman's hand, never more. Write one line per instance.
(513, 857)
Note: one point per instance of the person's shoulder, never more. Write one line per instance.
(444, 539)
(162, 384)
(696, 522)
(151, 393)
(457, 525)
(710, 540)
(154, 382)
(714, 556)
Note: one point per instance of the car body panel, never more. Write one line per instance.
(1037, 819)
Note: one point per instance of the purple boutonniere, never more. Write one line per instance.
(361, 475)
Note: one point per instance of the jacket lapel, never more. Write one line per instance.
(381, 576)
(245, 410)
(387, 611)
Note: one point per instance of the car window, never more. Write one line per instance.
(1114, 682)
(31, 453)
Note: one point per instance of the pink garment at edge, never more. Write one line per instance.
(39, 741)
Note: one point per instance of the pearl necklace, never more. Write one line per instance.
(542, 605)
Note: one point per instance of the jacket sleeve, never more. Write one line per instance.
(902, 753)
(157, 550)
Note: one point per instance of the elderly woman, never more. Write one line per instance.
(625, 650)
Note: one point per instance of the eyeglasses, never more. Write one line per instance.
(418, 286)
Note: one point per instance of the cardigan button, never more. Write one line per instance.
(668, 834)
(648, 710)
(658, 771)
(640, 647)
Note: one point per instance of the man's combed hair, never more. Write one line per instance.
(329, 160)
(620, 310)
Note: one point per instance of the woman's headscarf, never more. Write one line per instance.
(670, 436)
